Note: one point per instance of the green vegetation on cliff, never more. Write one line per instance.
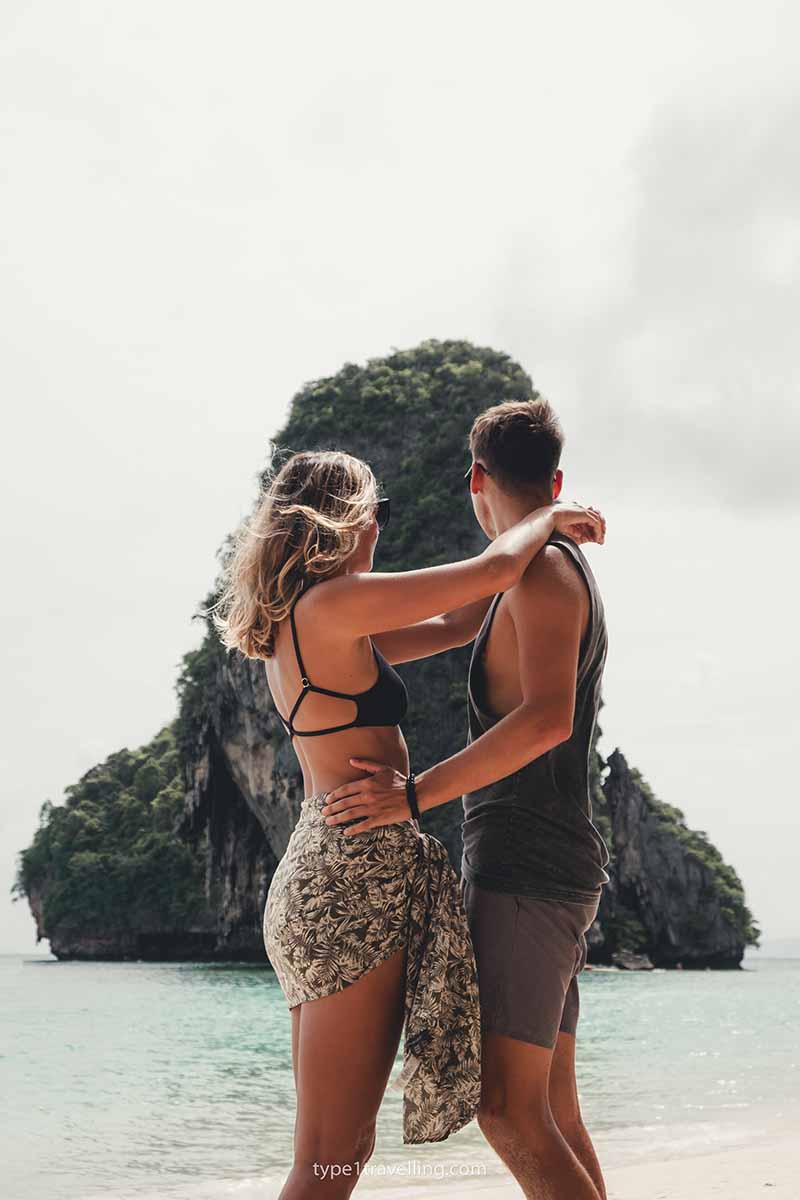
(107, 859)
(408, 415)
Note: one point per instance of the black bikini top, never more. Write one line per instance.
(384, 703)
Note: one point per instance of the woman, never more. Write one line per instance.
(364, 932)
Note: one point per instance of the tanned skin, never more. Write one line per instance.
(529, 1109)
(430, 610)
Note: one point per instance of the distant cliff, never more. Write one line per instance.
(167, 852)
(671, 896)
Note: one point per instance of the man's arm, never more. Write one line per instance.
(547, 608)
(426, 638)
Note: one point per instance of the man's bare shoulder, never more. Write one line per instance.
(551, 571)
(551, 581)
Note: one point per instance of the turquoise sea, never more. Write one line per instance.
(175, 1081)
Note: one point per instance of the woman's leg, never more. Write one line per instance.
(295, 1014)
(347, 1046)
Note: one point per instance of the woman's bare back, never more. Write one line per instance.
(338, 663)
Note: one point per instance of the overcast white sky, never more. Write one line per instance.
(205, 206)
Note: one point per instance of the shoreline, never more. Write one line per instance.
(37, 956)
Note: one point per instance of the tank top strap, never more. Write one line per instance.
(475, 709)
(488, 621)
(575, 554)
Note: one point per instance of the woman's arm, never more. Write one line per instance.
(547, 611)
(372, 602)
(435, 635)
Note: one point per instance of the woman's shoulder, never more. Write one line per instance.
(330, 592)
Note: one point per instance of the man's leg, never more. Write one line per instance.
(563, 1089)
(527, 952)
(565, 1107)
(516, 1119)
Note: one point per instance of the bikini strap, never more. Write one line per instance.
(305, 681)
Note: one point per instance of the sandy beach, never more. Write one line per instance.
(765, 1167)
(743, 1174)
(769, 1169)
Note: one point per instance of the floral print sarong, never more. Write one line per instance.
(337, 906)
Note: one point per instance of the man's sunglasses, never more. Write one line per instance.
(382, 513)
(468, 473)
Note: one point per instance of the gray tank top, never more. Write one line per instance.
(532, 832)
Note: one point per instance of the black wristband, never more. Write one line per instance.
(411, 795)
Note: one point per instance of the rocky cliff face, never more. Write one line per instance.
(670, 898)
(665, 902)
(670, 895)
(242, 801)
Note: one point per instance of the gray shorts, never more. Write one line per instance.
(529, 954)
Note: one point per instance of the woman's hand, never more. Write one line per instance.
(380, 798)
(579, 522)
(514, 548)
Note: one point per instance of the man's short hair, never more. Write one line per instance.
(519, 442)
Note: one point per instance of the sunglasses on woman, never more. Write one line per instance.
(382, 513)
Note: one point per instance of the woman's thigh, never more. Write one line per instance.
(346, 1049)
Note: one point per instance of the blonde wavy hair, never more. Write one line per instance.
(307, 522)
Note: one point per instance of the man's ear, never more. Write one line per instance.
(478, 481)
(558, 481)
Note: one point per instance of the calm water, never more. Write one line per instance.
(175, 1080)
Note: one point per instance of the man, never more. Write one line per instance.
(533, 863)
